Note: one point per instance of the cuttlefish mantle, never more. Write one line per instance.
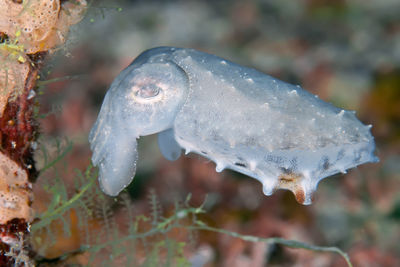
(236, 116)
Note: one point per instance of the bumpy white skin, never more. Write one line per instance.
(239, 118)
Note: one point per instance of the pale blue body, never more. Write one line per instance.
(236, 116)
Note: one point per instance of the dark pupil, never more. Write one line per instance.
(148, 91)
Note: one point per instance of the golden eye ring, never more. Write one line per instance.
(148, 92)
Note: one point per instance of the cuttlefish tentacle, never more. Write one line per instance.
(169, 148)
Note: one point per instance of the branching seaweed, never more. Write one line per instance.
(61, 204)
(61, 152)
(273, 240)
(141, 240)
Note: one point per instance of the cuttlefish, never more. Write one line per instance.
(238, 117)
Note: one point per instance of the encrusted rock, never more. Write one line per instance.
(15, 191)
(39, 25)
(13, 75)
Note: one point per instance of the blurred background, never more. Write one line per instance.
(345, 51)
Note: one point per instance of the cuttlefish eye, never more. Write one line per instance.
(148, 91)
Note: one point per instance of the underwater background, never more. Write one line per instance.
(346, 52)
